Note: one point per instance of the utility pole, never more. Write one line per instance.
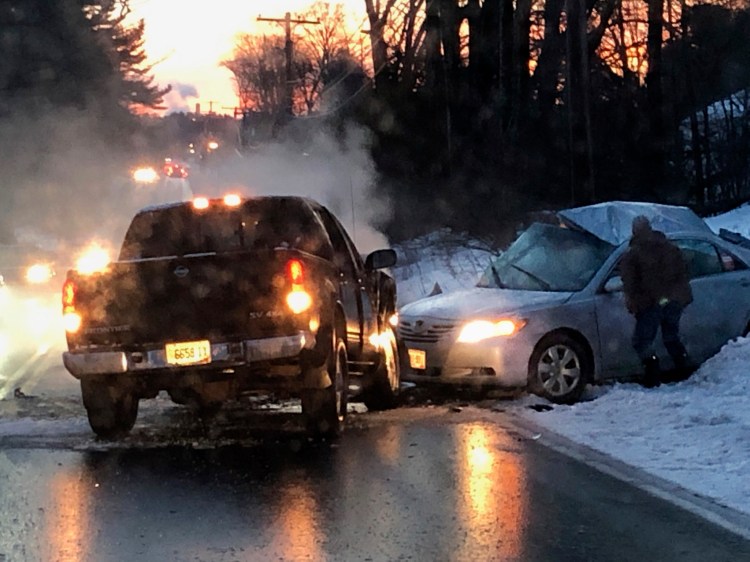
(288, 52)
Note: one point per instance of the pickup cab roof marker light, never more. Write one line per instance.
(200, 203)
(232, 200)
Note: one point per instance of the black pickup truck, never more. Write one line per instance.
(213, 298)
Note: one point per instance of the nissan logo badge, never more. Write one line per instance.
(181, 271)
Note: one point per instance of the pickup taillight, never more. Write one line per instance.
(298, 300)
(71, 318)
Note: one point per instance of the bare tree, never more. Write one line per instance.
(322, 46)
(259, 68)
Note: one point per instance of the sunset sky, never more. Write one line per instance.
(189, 39)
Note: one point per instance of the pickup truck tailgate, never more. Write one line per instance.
(201, 296)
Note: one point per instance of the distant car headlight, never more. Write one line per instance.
(39, 273)
(479, 330)
(145, 174)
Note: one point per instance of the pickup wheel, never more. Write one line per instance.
(325, 408)
(381, 385)
(112, 410)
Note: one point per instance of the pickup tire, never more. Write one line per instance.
(112, 410)
(325, 408)
(381, 385)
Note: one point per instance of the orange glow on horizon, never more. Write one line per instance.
(188, 43)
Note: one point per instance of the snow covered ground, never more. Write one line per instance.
(695, 434)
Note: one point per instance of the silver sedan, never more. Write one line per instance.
(549, 313)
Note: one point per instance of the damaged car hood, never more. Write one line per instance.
(612, 221)
(479, 302)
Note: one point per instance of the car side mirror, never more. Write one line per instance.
(380, 259)
(613, 284)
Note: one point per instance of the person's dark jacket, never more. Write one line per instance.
(654, 269)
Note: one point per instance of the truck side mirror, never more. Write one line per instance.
(380, 259)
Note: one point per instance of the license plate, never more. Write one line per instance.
(189, 352)
(417, 359)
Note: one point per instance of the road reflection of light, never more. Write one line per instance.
(492, 500)
(67, 517)
(299, 535)
(388, 446)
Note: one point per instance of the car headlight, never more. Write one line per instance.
(39, 273)
(479, 330)
(393, 320)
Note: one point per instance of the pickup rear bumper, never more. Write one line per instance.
(85, 363)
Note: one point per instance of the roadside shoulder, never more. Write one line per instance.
(723, 516)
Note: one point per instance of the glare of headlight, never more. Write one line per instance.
(298, 301)
(232, 200)
(479, 330)
(381, 340)
(72, 322)
(39, 273)
(213, 145)
(393, 320)
(37, 317)
(145, 175)
(93, 260)
(4, 346)
(200, 203)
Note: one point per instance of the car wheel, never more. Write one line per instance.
(112, 410)
(381, 385)
(325, 408)
(559, 369)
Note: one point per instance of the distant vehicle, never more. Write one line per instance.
(173, 169)
(215, 297)
(27, 266)
(549, 313)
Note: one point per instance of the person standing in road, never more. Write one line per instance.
(657, 289)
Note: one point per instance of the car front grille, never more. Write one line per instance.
(424, 332)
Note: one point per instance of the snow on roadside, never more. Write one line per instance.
(446, 259)
(694, 433)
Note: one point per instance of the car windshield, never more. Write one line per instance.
(547, 258)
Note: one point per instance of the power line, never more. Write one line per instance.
(289, 52)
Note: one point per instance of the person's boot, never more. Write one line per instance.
(651, 372)
(682, 367)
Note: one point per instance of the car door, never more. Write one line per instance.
(720, 282)
(615, 327)
(350, 281)
(721, 297)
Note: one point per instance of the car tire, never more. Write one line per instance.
(111, 409)
(559, 369)
(325, 408)
(381, 385)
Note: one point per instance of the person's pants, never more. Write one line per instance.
(647, 323)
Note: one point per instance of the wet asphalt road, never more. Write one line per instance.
(422, 482)
(416, 483)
